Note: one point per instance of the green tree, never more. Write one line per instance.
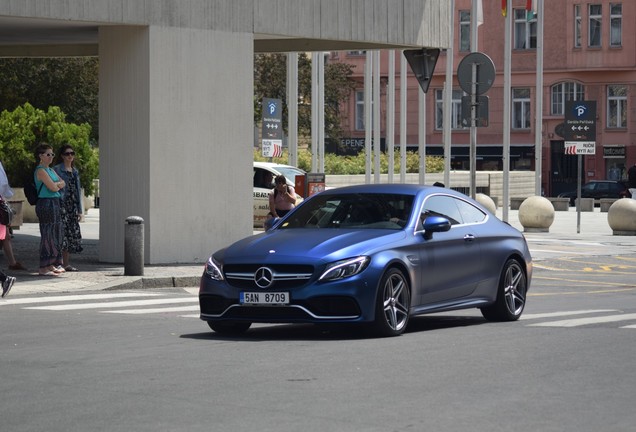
(24, 128)
(270, 81)
(69, 83)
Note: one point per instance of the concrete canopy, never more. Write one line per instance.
(175, 97)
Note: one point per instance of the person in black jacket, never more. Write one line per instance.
(631, 180)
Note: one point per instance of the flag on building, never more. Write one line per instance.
(531, 9)
(480, 13)
(504, 7)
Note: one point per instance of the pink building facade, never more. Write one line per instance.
(589, 54)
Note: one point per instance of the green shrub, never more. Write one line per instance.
(350, 165)
(24, 128)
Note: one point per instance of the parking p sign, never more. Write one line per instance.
(580, 127)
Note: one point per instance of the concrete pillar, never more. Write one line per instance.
(175, 139)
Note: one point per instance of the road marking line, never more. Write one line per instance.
(80, 297)
(564, 313)
(607, 291)
(586, 321)
(190, 316)
(633, 326)
(106, 305)
(595, 282)
(154, 310)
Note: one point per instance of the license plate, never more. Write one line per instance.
(264, 298)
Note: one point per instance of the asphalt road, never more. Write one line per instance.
(143, 361)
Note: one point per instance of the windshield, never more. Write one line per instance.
(352, 211)
(290, 173)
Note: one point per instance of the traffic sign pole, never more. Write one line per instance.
(476, 74)
(579, 169)
(580, 131)
(473, 133)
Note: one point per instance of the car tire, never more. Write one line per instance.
(511, 294)
(392, 304)
(229, 328)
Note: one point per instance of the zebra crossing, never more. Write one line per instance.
(596, 317)
(132, 303)
(186, 305)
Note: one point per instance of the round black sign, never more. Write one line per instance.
(485, 70)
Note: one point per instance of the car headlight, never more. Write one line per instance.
(344, 269)
(213, 269)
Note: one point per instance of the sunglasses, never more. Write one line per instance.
(48, 154)
(69, 154)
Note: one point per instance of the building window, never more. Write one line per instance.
(356, 53)
(456, 110)
(521, 108)
(464, 30)
(616, 24)
(562, 92)
(577, 26)
(360, 110)
(594, 25)
(525, 31)
(616, 106)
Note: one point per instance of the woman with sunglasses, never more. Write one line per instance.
(49, 185)
(71, 205)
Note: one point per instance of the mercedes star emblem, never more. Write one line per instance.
(264, 277)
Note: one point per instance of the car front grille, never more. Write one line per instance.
(284, 277)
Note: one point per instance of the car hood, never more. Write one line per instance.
(311, 245)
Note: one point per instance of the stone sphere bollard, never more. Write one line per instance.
(621, 217)
(487, 202)
(134, 246)
(536, 214)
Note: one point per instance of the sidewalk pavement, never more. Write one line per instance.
(92, 274)
(594, 238)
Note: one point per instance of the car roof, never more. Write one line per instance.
(273, 165)
(399, 188)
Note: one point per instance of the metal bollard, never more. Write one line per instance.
(134, 246)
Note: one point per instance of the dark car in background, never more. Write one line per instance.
(598, 189)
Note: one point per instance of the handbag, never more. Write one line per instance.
(6, 213)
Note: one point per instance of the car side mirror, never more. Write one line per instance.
(433, 224)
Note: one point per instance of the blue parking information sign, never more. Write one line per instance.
(580, 127)
(272, 131)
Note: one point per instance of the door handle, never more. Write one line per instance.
(469, 237)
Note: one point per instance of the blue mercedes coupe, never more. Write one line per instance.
(375, 254)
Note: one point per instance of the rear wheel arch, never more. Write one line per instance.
(512, 289)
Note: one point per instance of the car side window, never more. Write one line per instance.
(441, 205)
(455, 210)
(470, 213)
(263, 178)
